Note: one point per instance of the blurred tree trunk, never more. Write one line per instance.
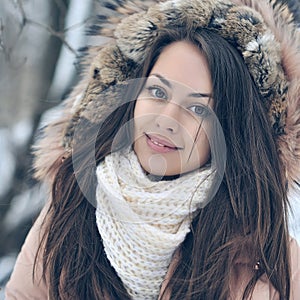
(29, 59)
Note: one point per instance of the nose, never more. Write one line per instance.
(168, 118)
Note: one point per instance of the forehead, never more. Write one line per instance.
(183, 62)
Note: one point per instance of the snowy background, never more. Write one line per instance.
(39, 42)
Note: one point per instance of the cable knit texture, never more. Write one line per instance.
(142, 221)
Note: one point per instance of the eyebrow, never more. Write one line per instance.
(168, 83)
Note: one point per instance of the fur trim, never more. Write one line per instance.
(262, 31)
(280, 21)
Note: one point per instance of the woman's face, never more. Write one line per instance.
(171, 113)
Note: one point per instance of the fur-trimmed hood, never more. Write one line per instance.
(263, 32)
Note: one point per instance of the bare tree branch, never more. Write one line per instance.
(20, 6)
(26, 20)
(58, 34)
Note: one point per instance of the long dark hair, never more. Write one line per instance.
(246, 218)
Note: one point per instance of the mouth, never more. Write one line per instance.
(159, 144)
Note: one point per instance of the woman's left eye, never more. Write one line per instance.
(200, 110)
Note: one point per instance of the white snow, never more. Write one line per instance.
(25, 206)
(6, 266)
(7, 161)
(21, 132)
(11, 139)
(294, 217)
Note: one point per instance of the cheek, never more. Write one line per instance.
(138, 112)
(203, 148)
(200, 147)
(143, 114)
(140, 109)
(204, 135)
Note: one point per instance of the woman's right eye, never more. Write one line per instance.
(157, 92)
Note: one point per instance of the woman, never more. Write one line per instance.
(171, 222)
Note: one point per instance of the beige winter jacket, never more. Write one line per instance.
(21, 286)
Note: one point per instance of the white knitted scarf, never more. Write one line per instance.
(142, 222)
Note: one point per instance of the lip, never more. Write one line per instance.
(160, 145)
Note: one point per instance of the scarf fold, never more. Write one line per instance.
(142, 222)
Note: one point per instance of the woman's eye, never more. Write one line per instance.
(200, 110)
(157, 92)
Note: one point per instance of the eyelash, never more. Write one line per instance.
(204, 110)
(152, 91)
(153, 88)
